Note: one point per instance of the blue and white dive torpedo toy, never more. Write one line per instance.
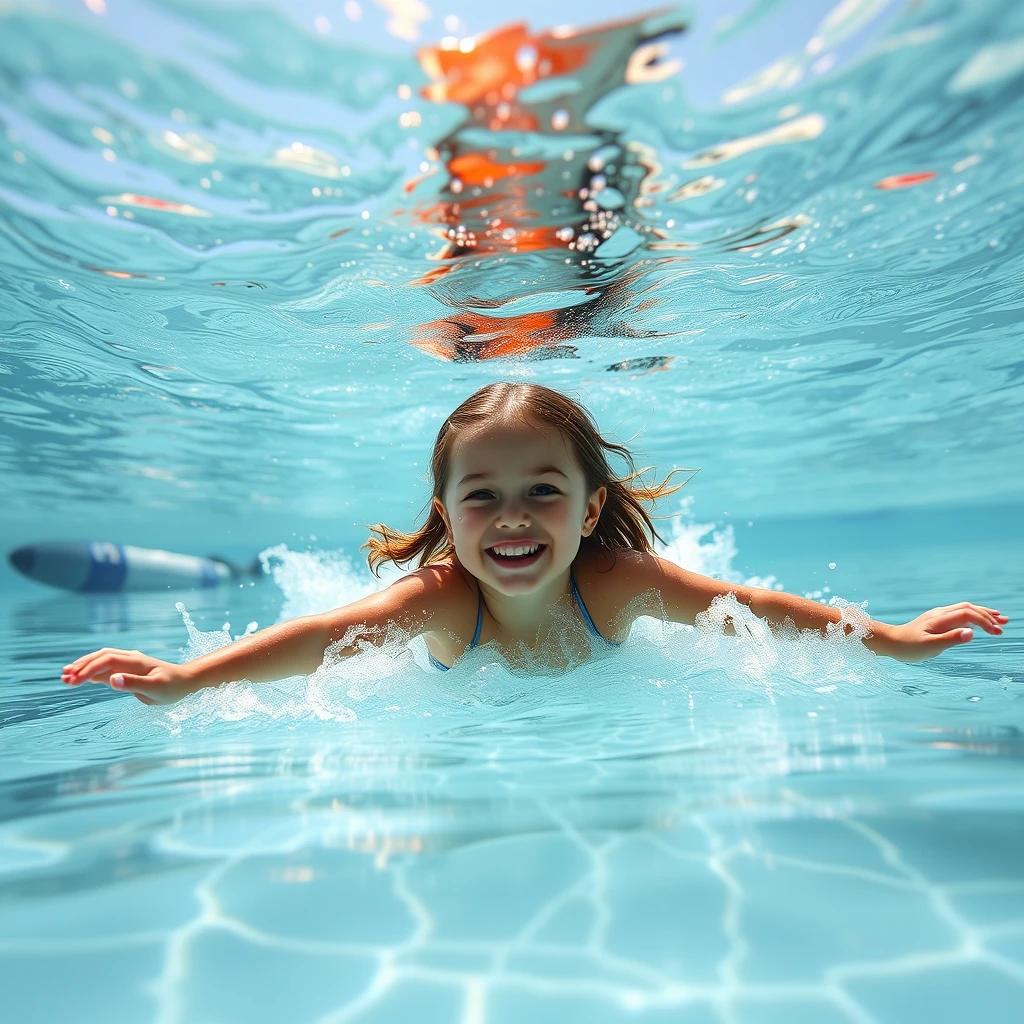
(104, 568)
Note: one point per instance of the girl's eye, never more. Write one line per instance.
(478, 495)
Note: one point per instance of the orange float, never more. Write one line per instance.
(905, 180)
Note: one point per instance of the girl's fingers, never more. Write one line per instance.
(133, 684)
(989, 622)
(984, 618)
(953, 637)
(83, 673)
(137, 686)
(965, 616)
(99, 669)
(78, 663)
(84, 666)
(980, 607)
(125, 671)
(92, 669)
(997, 618)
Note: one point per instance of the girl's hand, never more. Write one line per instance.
(151, 680)
(931, 633)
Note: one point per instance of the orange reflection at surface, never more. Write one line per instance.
(895, 181)
(528, 177)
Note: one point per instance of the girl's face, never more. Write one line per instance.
(517, 484)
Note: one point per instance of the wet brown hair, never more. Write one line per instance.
(623, 524)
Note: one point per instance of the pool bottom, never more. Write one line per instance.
(774, 835)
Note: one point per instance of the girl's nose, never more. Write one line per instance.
(514, 517)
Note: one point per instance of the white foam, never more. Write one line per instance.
(700, 664)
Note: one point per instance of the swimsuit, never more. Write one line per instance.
(594, 631)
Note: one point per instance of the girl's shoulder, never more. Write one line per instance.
(425, 600)
(455, 600)
(613, 585)
(452, 595)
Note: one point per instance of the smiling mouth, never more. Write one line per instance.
(516, 561)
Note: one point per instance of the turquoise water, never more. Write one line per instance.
(243, 283)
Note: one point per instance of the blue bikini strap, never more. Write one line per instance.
(479, 618)
(582, 607)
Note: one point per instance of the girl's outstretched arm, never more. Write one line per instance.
(684, 595)
(295, 647)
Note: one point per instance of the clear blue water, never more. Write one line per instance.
(233, 323)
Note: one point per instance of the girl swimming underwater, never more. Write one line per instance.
(526, 521)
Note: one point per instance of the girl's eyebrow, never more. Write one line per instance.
(532, 472)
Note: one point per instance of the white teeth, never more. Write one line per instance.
(521, 549)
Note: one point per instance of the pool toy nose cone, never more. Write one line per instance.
(23, 559)
(102, 567)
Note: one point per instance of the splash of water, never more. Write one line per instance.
(700, 664)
